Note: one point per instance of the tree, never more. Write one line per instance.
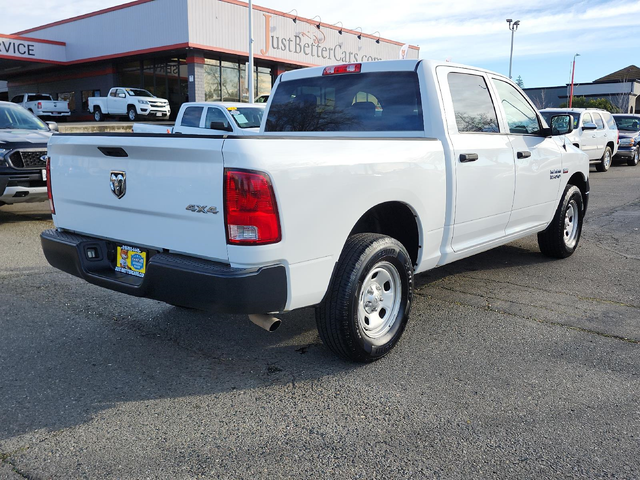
(602, 103)
(520, 82)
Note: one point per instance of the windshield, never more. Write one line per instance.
(629, 124)
(246, 117)
(138, 92)
(547, 117)
(17, 118)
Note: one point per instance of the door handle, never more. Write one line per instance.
(525, 154)
(468, 157)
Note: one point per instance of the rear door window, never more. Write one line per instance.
(598, 120)
(586, 118)
(359, 102)
(472, 104)
(191, 117)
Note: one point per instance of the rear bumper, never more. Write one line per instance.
(172, 278)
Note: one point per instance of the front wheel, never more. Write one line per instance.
(633, 161)
(132, 115)
(366, 308)
(605, 161)
(562, 236)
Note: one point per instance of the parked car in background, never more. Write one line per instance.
(43, 105)
(211, 118)
(23, 144)
(132, 102)
(629, 128)
(594, 132)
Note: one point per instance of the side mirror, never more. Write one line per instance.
(561, 124)
(122, 95)
(589, 126)
(221, 126)
(53, 126)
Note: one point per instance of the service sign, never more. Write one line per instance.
(31, 49)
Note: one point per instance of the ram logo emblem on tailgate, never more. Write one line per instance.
(118, 181)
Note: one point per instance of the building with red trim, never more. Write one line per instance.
(182, 50)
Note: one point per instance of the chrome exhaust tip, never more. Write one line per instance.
(268, 322)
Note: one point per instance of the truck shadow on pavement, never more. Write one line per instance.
(80, 349)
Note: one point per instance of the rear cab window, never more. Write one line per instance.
(358, 102)
(191, 117)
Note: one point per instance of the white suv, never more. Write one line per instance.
(594, 132)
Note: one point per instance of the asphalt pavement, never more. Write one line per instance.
(512, 366)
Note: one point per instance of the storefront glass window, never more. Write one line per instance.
(86, 94)
(130, 74)
(212, 80)
(230, 82)
(69, 97)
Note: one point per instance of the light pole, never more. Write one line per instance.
(250, 66)
(513, 26)
(573, 71)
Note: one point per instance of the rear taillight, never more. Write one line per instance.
(49, 194)
(39, 105)
(346, 68)
(251, 212)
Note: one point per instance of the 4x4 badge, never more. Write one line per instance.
(118, 182)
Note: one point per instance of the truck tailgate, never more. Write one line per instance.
(162, 176)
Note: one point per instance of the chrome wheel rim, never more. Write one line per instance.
(379, 300)
(571, 222)
(96, 115)
(635, 157)
(607, 159)
(132, 115)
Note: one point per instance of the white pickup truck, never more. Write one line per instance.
(363, 175)
(132, 102)
(42, 105)
(211, 118)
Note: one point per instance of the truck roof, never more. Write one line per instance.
(383, 66)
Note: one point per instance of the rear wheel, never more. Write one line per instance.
(605, 161)
(561, 237)
(97, 115)
(367, 306)
(633, 161)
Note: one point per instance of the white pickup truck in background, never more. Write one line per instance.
(43, 105)
(211, 118)
(362, 176)
(132, 102)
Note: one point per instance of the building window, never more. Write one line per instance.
(69, 97)
(86, 94)
(230, 82)
(212, 79)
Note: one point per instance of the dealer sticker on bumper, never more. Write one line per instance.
(131, 261)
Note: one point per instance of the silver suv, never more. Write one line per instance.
(594, 132)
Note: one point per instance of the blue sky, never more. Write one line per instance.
(465, 31)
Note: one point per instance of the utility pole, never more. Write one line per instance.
(250, 66)
(513, 26)
(573, 71)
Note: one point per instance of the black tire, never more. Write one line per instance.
(561, 237)
(605, 161)
(132, 114)
(633, 161)
(367, 258)
(97, 114)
